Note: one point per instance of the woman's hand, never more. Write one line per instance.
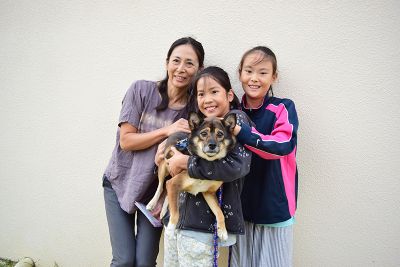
(180, 125)
(177, 163)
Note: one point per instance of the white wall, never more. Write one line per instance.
(65, 66)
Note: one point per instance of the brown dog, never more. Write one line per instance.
(210, 139)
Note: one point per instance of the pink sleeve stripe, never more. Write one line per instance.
(288, 167)
(263, 154)
(283, 129)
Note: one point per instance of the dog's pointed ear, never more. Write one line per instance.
(230, 121)
(194, 120)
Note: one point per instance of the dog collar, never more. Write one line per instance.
(182, 144)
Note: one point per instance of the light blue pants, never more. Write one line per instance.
(128, 249)
(184, 251)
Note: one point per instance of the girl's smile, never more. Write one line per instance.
(256, 77)
(212, 98)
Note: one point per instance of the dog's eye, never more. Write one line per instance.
(220, 134)
(203, 134)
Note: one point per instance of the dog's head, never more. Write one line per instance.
(211, 138)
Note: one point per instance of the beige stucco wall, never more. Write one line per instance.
(65, 66)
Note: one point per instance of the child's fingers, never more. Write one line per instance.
(175, 151)
(236, 130)
(160, 153)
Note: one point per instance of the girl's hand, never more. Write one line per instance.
(236, 130)
(180, 125)
(160, 153)
(178, 162)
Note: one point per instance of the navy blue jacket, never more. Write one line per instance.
(270, 189)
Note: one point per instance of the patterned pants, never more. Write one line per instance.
(183, 251)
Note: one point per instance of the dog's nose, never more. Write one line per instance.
(212, 146)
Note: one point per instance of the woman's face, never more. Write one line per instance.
(212, 98)
(182, 66)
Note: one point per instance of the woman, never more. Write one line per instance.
(151, 111)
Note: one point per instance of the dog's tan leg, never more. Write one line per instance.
(213, 204)
(164, 208)
(174, 186)
(162, 173)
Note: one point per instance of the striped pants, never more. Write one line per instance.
(263, 246)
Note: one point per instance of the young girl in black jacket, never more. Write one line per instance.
(192, 243)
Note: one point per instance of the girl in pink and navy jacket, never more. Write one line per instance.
(270, 189)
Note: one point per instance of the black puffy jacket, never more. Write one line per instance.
(194, 211)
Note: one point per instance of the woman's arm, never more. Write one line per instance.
(130, 139)
(133, 105)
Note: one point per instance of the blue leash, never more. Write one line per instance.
(215, 263)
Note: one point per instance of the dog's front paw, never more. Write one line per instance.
(151, 204)
(222, 234)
